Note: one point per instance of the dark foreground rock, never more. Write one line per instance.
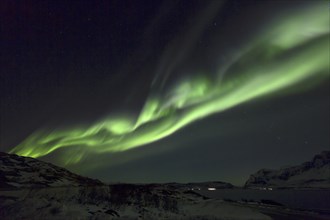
(25, 172)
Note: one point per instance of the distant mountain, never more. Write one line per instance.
(200, 185)
(25, 172)
(311, 174)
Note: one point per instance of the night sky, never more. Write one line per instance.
(162, 91)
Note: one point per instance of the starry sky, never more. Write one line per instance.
(162, 91)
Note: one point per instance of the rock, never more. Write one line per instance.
(25, 172)
(311, 174)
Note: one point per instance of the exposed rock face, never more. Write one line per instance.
(311, 174)
(25, 172)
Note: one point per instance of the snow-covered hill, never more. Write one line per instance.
(32, 189)
(121, 201)
(26, 172)
(311, 174)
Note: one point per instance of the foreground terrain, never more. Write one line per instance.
(32, 189)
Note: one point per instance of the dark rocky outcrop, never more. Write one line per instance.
(311, 174)
(25, 172)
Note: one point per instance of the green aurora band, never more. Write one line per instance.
(289, 54)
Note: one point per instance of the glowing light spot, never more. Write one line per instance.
(211, 189)
(119, 125)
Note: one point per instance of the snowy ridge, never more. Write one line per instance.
(26, 172)
(311, 174)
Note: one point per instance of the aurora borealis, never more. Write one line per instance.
(289, 53)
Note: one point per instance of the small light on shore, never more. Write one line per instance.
(211, 189)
